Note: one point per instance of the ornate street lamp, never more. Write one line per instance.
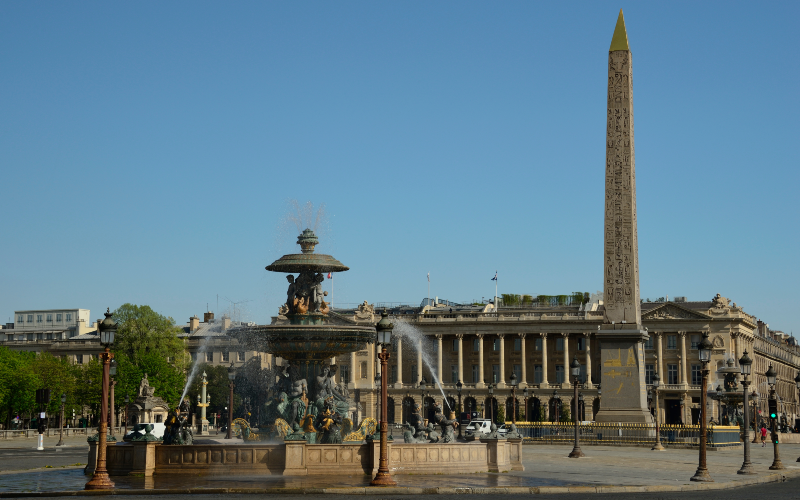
(745, 364)
(772, 379)
(112, 421)
(754, 395)
(575, 369)
(100, 479)
(656, 384)
(459, 386)
(231, 377)
(61, 431)
(513, 382)
(125, 421)
(525, 396)
(704, 349)
(557, 406)
(384, 329)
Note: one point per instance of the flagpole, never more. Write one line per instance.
(429, 289)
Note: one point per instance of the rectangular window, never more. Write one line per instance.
(194, 356)
(49, 336)
(49, 318)
(226, 356)
(209, 357)
(455, 345)
(648, 344)
(30, 336)
(649, 370)
(560, 344)
(20, 319)
(538, 376)
(454, 373)
(38, 336)
(496, 345)
(697, 376)
(672, 374)
(495, 374)
(672, 341)
(581, 343)
(38, 318)
(30, 318)
(69, 316)
(413, 374)
(59, 317)
(364, 370)
(344, 374)
(537, 344)
(79, 359)
(476, 374)
(559, 374)
(476, 345)
(240, 356)
(518, 372)
(517, 345)
(695, 341)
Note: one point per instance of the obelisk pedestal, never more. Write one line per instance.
(621, 336)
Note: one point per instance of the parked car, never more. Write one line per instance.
(484, 425)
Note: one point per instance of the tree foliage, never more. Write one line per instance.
(142, 331)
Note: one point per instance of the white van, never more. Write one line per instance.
(158, 430)
(484, 425)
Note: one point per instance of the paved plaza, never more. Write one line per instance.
(548, 470)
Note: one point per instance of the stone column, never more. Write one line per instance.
(501, 383)
(460, 338)
(439, 357)
(481, 379)
(566, 383)
(660, 356)
(684, 379)
(399, 383)
(524, 381)
(588, 360)
(419, 361)
(544, 383)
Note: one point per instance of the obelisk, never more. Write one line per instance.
(624, 397)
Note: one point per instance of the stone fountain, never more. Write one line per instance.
(306, 398)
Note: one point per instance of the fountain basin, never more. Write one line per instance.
(308, 342)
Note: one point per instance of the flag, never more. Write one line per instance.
(495, 276)
(329, 276)
(429, 277)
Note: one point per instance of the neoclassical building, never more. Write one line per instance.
(483, 347)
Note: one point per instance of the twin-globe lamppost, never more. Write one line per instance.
(745, 363)
(100, 479)
(705, 356)
(384, 330)
(772, 379)
(575, 369)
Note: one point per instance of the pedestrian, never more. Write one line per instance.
(763, 435)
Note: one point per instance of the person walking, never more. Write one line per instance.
(763, 435)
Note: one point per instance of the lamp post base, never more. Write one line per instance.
(776, 465)
(576, 453)
(747, 468)
(100, 481)
(702, 475)
(383, 479)
(658, 447)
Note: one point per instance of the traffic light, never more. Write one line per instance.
(773, 408)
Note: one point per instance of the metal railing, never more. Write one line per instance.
(54, 431)
(626, 434)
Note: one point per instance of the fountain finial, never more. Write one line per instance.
(307, 241)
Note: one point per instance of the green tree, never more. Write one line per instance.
(565, 417)
(500, 417)
(58, 375)
(18, 383)
(142, 331)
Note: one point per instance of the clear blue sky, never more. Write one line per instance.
(149, 150)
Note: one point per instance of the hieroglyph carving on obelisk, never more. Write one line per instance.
(621, 276)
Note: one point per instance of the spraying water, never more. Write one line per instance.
(213, 330)
(414, 335)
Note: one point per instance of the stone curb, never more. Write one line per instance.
(410, 490)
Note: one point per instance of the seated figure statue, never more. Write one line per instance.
(326, 388)
(447, 426)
